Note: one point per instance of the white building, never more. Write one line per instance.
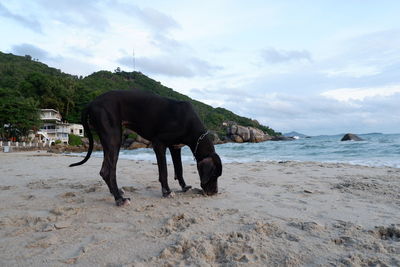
(76, 129)
(55, 129)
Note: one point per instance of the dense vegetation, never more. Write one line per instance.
(26, 85)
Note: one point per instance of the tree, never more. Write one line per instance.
(18, 115)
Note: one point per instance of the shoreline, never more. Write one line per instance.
(267, 213)
(82, 155)
(125, 157)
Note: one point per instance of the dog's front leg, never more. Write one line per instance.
(176, 159)
(160, 150)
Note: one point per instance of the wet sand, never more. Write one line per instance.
(267, 213)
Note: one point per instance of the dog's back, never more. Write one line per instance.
(146, 113)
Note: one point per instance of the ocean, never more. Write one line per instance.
(376, 150)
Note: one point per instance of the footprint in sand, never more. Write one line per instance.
(7, 187)
(38, 185)
(388, 233)
(28, 197)
(65, 211)
(44, 241)
(310, 227)
(177, 223)
(68, 195)
(131, 189)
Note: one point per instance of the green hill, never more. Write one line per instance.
(23, 79)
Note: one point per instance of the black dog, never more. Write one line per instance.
(163, 121)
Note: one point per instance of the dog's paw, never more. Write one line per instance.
(165, 191)
(186, 188)
(123, 202)
(168, 194)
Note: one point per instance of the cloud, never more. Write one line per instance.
(353, 70)
(351, 94)
(28, 49)
(73, 66)
(159, 23)
(70, 65)
(156, 20)
(29, 23)
(80, 51)
(175, 67)
(369, 55)
(202, 67)
(87, 14)
(166, 44)
(272, 55)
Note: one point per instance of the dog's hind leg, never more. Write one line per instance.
(176, 159)
(160, 150)
(105, 174)
(108, 172)
(110, 138)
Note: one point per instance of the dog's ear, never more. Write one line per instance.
(205, 168)
(217, 163)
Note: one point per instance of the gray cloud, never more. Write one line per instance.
(159, 23)
(75, 12)
(176, 67)
(156, 20)
(28, 49)
(78, 13)
(29, 23)
(164, 66)
(72, 65)
(81, 51)
(69, 65)
(165, 43)
(89, 14)
(272, 55)
(203, 67)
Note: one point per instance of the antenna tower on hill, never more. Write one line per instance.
(134, 62)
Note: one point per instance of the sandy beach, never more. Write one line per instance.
(267, 213)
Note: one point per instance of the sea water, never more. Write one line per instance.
(374, 150)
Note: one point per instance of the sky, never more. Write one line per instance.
(316, 67)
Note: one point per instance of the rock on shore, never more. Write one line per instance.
(240, 134)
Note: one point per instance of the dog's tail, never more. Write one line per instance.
(84, 120)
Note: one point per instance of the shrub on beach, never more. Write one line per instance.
(74, 140)
(133, 136)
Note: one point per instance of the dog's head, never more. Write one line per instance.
(210, 169)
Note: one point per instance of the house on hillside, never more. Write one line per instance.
(76, 129)
(54, 128)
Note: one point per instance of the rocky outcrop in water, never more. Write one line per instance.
(282, 138)
(351, 137)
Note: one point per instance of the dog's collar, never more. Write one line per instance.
(198, 142)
